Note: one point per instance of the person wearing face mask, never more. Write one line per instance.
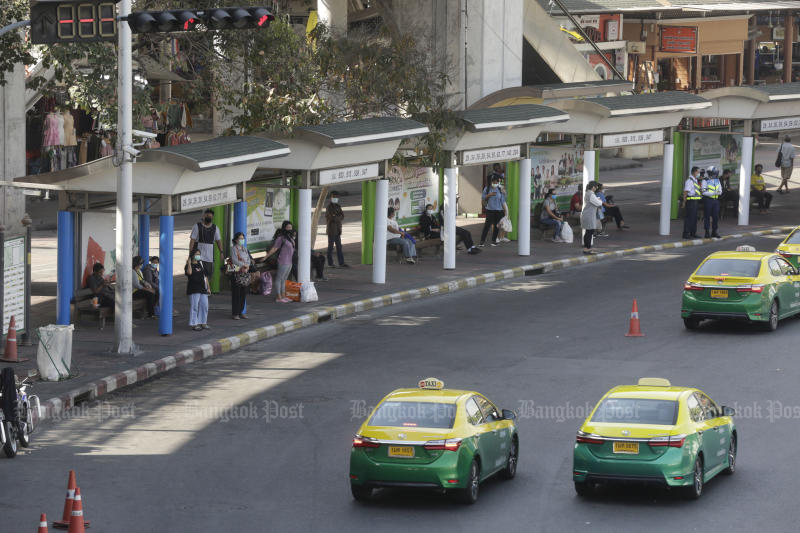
(692, 193)
(205, 235)
(394, 236)
(493, 200)
(197, 290)
(142, 289)
(550, 215)
(283, 244)
(590, 221)
(150, 273)
(334, 217)
(240, 257)
(462, 235)
(430, 225)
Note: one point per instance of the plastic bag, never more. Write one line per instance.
(566, 233)
(293, 290)
(505, 225)
(308, 293)
(54, 355)
(266, 283)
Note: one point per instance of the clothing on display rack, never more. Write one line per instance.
(53, 130)
(70, 139)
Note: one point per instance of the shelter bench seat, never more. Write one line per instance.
(82, 305)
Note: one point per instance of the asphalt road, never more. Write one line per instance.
(259, 440)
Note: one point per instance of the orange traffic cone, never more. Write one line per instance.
(10, 355)
(76, 520)
(42, 524)
(634, 330)
(68, 502)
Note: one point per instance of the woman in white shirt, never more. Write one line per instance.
(590, 220)
(394, 235)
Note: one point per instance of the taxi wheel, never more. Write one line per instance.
(584, 489)
(469, 495)
(772, 323)
(361, 493)
(731, 457)
(511, 463)
(695, 490)
(691, 323)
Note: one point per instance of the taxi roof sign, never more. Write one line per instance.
(431, 383)
(654, 382)
(745, 248)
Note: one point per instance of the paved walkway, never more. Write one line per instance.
(635, 190)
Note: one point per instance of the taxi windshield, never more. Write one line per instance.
(414, 414)
(794, 238)
(637, 411)
(743, 268)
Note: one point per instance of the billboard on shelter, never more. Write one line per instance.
(559, 167)
(267, 208)
(410, 189)
(722, 150)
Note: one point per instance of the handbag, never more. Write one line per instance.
(779, 159)
(242, 279)
(293, 290)
(505, 225)
(266, 283)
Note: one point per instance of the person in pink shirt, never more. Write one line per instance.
(283, 243)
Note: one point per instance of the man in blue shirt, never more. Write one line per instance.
(493, 199)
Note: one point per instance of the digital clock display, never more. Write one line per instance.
(54, 22)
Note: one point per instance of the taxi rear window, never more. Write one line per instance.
(414, 414)
(794, 238)
(743, 268)
(637, 411)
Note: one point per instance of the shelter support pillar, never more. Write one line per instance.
(524, 215)
(65, 266)
(450, 189)
(589, 167)
(368, 219)
(381, 205)
(512, 196)
(304, 236)
(745, 171)
(240, 224)
(166, 254)
(666, 190)
(788, 28)
(679, 170)
(144, 233)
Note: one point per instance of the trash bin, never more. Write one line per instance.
(54, 355)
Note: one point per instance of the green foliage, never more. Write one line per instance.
(14, 48)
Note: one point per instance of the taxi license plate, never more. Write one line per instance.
(626, 447)
(719, 293)
(401, 451)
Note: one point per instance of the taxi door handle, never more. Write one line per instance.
(699, 431)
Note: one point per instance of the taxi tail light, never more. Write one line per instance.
(672, 441)
(751, 288)
(787, 255)
(364, 442)
(691, 287)
(586, 438)
(447, 445)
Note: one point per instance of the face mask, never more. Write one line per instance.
(430, 212)
(209, 220)
(334, 200)
(495, 185)
(240, 242)
(554, 197)
(155, 266)
(197, 258)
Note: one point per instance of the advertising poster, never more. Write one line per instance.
(410, 189)
(557, 167)
(722, 150)
(14, 279)
(99, 243)
(267, 208)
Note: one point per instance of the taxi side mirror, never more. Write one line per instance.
(728, 411)
(508, 414)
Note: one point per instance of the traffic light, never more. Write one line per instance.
(59, 21)
(227, 18)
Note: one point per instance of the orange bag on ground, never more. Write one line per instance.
(293, 290)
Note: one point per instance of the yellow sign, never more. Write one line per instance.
(431, 383)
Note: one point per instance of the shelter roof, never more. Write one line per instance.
(362, 131)
(752, 102)
(634, 104)
(217, 152)
(689, 6)
(515, 116)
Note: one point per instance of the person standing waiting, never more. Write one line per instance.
(590, 216)
(787, 155)
(283, 244)
(711, 191)
(493, 199)
(197, 290)
(690, 200)
(205, 234)
(759, 190)
(240, 257)
(334, 217)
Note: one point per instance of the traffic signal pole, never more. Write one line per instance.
(123, 305)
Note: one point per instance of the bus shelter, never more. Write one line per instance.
(619, 121)
(340, 153)
(738, 112)
(168, 180)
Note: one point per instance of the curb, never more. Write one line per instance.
(54, 407)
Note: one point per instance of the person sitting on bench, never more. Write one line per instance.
(610, 209)
(100, 286)
(758, 190)
(430, 225)
(142, 289)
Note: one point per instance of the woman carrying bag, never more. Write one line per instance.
(240, 279)
(197, 290)
(283, 244)
(590, 220)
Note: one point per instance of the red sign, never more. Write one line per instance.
(679, 39)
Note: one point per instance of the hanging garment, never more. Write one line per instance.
(174, 116)
(94, 148)
(71, 158)
(51, 127)
(105, 148)
(70, 138)
(61, 136)
(83, 150)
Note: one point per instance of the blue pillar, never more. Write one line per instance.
(240, 224)
(165, 254)
(65, 269)
(144, 237)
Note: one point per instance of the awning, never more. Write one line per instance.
(777, 100)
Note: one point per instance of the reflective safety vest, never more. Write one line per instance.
(714, 187)
(697, 194)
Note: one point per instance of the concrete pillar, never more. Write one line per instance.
(367, 220)
(666, 190)
(166, 229)
(744, 181)
(379, 233)
(524, 215)
(304, 237)
(12, 149)
(334, 14)
(450, 190)
(788, 39)
(65, 266)
(588, 170)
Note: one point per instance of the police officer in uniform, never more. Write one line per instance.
(711, 190)
(691, 199)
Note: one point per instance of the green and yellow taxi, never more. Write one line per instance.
(790, 247)
(653, 432)
(435, 438)
(746, 285)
